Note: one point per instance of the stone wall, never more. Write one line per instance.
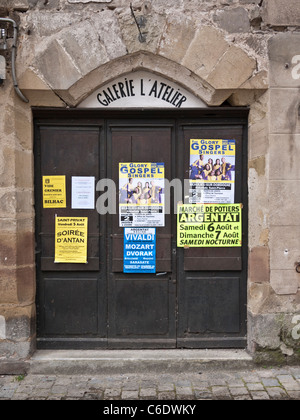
(245, 52)
(280, 302)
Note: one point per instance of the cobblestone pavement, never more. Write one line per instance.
(257, 384)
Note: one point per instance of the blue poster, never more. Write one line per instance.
(139, 250)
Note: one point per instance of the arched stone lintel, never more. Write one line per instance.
(141, 61)
(38, 90)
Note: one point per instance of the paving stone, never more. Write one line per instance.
(92, 396)
(255, 387)
(294, 395)
(58, 389)
(19, 397)
(251, 378)
(276, 393)
(112, 393)
(130, 395)
(45, 378)
(166, 395)
(236, 391)
(242, 398)
(165, 388)
(184, 393)
(235, 383)
(221, 392)
(270, 382)
(7, 394)
(216, 382)
(295, 372)
(40, 393)
(131, 387)
(266, 374)
(280, 371)
(203, 395)
(201, 384)
(183, 384)
(45, 385)
(291, 386)
(148, 393)
(63, 381)
(285, 378)
(96, 381)
(148, 384)
(26, 389)
(260, 395)
(289, 383)
(75, 392)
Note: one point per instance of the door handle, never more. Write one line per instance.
(161, 274)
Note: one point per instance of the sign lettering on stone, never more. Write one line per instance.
(143, 90)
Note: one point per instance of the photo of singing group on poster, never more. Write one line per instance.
(141, 194)
(212, 171)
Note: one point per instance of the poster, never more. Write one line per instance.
(141, 194)
(139, 250)
(212, 171)
(71, 236)
(83, 192)
(209, 225)
(54, 192)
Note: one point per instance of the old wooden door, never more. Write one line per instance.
(141, 307)
(196, 298)
(212, 282)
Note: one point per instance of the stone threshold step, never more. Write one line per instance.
(85, 362)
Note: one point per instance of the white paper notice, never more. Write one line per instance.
(83, 192)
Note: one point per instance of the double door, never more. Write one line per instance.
(197, 296)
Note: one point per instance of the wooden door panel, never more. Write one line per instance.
(71, 153)
(141, 306)
(214, 259)
(144, 312)
(70, 306)
(213, 304)
(212, 285)
(71, 297)
(217, 259)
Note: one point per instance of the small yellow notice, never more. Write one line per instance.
(54, 192)
(209, 225)
(71, 237)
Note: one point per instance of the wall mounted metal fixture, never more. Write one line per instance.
(3, 46)
(140, 22)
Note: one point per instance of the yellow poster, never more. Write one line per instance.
(71, 236)
(54, 192)
(209, 225)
